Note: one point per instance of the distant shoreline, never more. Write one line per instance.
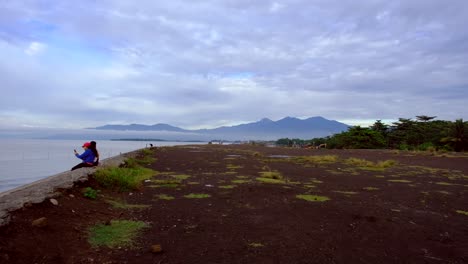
(154, 139)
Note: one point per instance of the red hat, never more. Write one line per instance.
(86, 144)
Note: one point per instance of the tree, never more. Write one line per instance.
(358, 138)
(458, 138)
(425, 118)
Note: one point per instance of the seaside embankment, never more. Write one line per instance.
(39, 191)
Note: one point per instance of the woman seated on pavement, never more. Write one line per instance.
(89, 156)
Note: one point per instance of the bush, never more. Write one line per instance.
(428, 146)
(90, 193)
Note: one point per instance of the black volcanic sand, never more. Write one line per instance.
(413, 212)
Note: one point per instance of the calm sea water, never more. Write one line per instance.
(23, 161)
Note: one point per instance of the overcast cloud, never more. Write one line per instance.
(87, 63)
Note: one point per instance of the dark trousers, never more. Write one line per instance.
(82, 165)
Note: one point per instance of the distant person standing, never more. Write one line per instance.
(88, 156)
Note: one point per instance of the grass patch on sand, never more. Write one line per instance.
(371, 188)
(256, 245)
(312, 198)
(445, 183)
(271, 177)
(181, 176)
(164, 197)
(323, 159)
(125, 205)
(402, 181)
(346, 192)
(268, 180)
(167, 183)
(193, 183)
(462, 212)
(240, 181)
(119, 233)
(369, 165)
(234, 167)
(227, 186)
(197, 196)
(122, 179)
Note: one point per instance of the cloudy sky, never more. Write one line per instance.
(203, 64)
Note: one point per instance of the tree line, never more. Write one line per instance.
(423, 133)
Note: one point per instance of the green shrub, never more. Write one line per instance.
(90, 193)
(428, 146)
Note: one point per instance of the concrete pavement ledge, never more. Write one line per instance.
(38, 191)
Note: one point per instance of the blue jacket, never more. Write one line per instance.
(87, 156)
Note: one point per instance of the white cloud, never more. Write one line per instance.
(223, 62)
(275, 7)
(35, 48)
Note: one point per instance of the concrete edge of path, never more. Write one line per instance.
(39, 191)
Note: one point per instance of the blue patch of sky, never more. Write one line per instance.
(239, 75)
(66, 49)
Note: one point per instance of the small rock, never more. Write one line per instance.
(53, 201)
(27, 204)
(72, 196)
(40, 222)
(156, 249)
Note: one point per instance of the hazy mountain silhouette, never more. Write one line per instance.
(139, 127)
(264, 129)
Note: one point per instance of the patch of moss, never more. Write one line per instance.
(312, 198)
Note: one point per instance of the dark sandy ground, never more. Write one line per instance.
(413, 212)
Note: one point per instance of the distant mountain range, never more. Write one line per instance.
(264, 129)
